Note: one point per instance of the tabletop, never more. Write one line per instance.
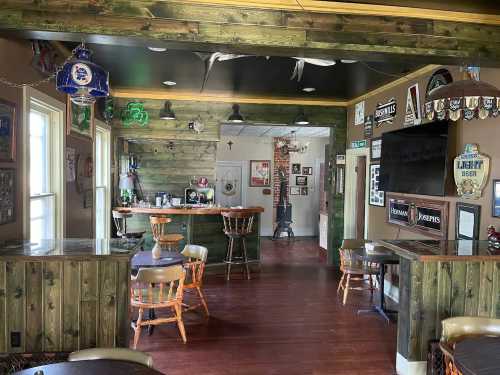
(478, 356)
(94, 367)
(377, 255)
(167, 258)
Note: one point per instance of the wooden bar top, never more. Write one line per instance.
(435, 250)
(187, 210)
(69, 248)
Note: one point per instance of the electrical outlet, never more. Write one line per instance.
(15, 339)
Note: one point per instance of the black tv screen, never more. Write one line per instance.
(414, 160)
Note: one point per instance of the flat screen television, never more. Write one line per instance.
(414, 160)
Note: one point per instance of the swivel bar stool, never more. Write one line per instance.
(237, 226)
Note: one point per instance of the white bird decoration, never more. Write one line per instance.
(301, 61)
(210, 58)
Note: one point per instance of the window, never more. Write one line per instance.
(43, 148)
(102, 188)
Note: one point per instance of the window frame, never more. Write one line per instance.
(105, 131)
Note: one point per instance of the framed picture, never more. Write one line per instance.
(294, 190)
(7, 131)
(301, 180)
(376, 149)
(377, 197)
(296, 168)
(7, 195)
(307, 170)
(260, 173)
(80, 119)
(467, 220)
(304, 191)
(495, 201)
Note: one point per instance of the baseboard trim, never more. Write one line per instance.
(405, 367)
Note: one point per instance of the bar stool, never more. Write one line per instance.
(162, 238)
(120, 220)
(237, 225)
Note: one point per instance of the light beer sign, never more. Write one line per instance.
(471, 171)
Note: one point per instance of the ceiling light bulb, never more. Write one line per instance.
(157, 49)
(309, 89)
(348, 61)
(169, 83)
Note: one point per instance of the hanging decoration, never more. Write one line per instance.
(196, 125)
(471, 171)
(468, 99)
(290, 144)
(135, 113)
(82, 79)
(230, 144)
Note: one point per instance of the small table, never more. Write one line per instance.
(382, 256)
(94, 367)
(478, 356)
(144, 259)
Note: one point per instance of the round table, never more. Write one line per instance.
(94, 367)
(478, 356)
(145, 259)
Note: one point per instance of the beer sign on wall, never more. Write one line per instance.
(471, 171)
(423, 216)
(385, 112)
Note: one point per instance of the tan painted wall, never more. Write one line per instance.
(486, 133)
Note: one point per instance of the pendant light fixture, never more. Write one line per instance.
(236, 115)
(468, 99)
(81, 79)
(301, 118)
(166, 112)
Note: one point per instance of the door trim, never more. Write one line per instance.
(350, 191)
(244, 173)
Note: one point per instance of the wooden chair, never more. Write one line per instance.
(119, 354)
(158, 288)
(354, 269)
(120, 220)
(165, 240)
(458, 328)
(237, 226)
(197, 257)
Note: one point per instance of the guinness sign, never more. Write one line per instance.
(385, 112)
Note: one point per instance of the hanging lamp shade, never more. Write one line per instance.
(166, 112)
(301, 118)
(82, 79)
(466, 99)
(236, 115)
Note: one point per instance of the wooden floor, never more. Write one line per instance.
(286, 320)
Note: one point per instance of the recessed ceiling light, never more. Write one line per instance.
(169, 83)
(157, 49)
(309, 89)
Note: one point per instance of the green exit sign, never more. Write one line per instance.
(359, 144)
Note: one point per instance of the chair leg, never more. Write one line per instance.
(230, 257)
(371, 284)
(202, 298)
(138, 327)
(245, 258)
(340, 282)
(346, 289)
(180, 323)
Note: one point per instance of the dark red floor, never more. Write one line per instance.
(286, 320)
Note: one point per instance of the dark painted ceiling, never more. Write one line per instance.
(138, 67)
(474, 6)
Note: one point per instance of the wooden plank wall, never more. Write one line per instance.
(64, 305)
(433, 291)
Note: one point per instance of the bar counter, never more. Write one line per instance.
(65, 295)
(199, 225)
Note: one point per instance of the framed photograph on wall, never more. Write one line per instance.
(295, 168)
(495, 201)
(294, 190)
(304, 191)
(377, 197)
(260, 173)
(7, 131)
(80, 119)
(467, 221)
(301, 180)
(7, 195)
(376, 149)
(307, 170)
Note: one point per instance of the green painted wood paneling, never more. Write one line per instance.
(34, 306)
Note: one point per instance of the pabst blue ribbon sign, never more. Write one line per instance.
(471, 171)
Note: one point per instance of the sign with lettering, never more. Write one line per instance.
(427, 217)
(471, 171)
(359, 143)
(385, 112)
(368, 129)
(413, 115)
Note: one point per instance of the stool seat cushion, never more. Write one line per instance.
(171, 237)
